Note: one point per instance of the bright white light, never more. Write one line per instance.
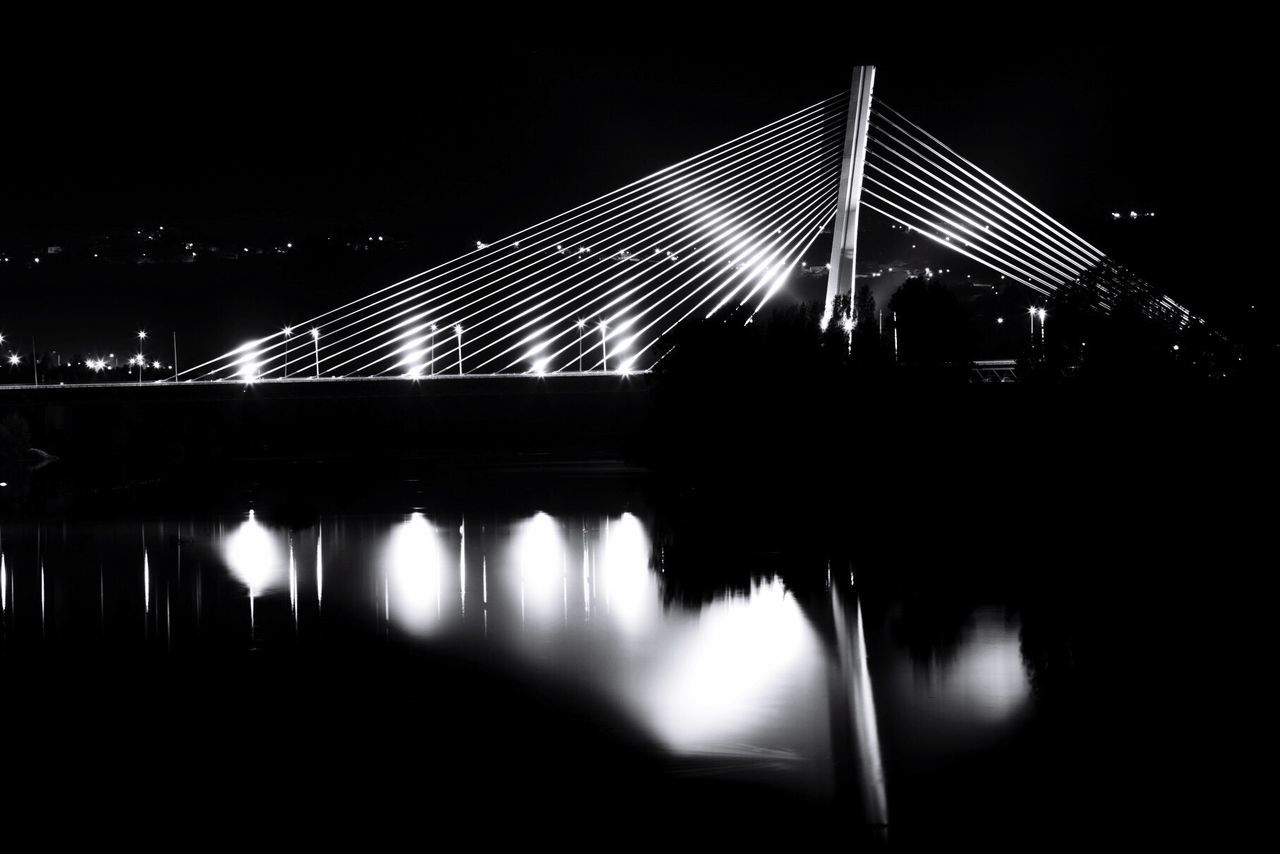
(987, 677)
(1042, 314)
(732, 672)
(582, 324)
(255, 556)
(288, 331)
(15, 359)
(457, 330)
(142, 336)
(540, 365)
(315, 334)
(630, 587)
(248, 365)
(413, 567)
(627, 365)
(540, 559)
(248, 370)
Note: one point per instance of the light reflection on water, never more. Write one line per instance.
(760, 682)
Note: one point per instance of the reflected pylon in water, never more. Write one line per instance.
(854, 709)
(319, 568)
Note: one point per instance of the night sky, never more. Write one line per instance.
(447, 131)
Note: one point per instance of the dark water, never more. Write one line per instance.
(514, 676)
(758, 688)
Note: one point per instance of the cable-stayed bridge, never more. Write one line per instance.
(601, 286)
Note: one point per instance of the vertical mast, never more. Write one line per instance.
(844, 236)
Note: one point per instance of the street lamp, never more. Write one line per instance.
(315, 337)
(433, 349)
(140, 360)
(457, 330)
(288, 331)
(582, 325)
(604, 344)
(1043, 314)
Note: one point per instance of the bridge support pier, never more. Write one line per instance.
(844, 236)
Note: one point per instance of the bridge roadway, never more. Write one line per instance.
(574, 382)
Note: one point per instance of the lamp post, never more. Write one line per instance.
(457, 330)
(315, 337)
(433, 349)
(582, 325)
(1043, 314)
(604, 345)
(288, 332)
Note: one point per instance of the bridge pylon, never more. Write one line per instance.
(844, 235)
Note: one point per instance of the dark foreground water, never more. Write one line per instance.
(519, 677)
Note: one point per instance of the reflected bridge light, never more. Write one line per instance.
(540, 559)
(632, 598)
(742, 658)
(412, 566)
(256, 556)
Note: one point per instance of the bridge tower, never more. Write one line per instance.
(844, 235)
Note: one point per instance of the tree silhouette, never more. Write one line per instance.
(934, 337)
